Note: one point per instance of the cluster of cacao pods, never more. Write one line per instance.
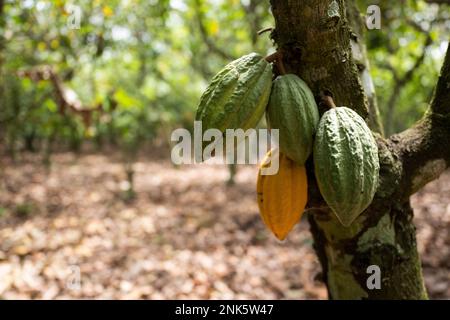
(345, 153)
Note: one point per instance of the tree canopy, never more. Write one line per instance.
(146, 63)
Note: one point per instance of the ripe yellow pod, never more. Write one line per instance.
(281, 197)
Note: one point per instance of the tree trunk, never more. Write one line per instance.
(318, 39)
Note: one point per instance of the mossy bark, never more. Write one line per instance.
(317, 41)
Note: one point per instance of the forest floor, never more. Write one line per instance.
(68, 232)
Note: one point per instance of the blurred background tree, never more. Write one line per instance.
(140, 66)
(144, 62)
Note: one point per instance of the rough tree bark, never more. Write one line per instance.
(322, 43)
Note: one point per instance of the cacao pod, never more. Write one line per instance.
(281, 197)
(293, 111)
(237, 96)
(346, 163)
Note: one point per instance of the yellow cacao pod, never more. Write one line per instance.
(281, 197)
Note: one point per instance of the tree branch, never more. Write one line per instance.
(424, 149)
(401, 82)
(252, 19)
(65, 97)
(440, 104)
(204, 33)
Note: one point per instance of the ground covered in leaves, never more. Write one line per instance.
(70, 232)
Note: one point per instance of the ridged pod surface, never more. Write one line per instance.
(281, 197)
(293, 110)
(346, 163)
(238, 95)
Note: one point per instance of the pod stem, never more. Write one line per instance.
(277, 58)
(272, 57)
(328, 101)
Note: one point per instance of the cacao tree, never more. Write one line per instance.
(322, 41)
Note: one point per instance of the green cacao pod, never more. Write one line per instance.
(346, 163)
(237, 96)
(293, 111)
